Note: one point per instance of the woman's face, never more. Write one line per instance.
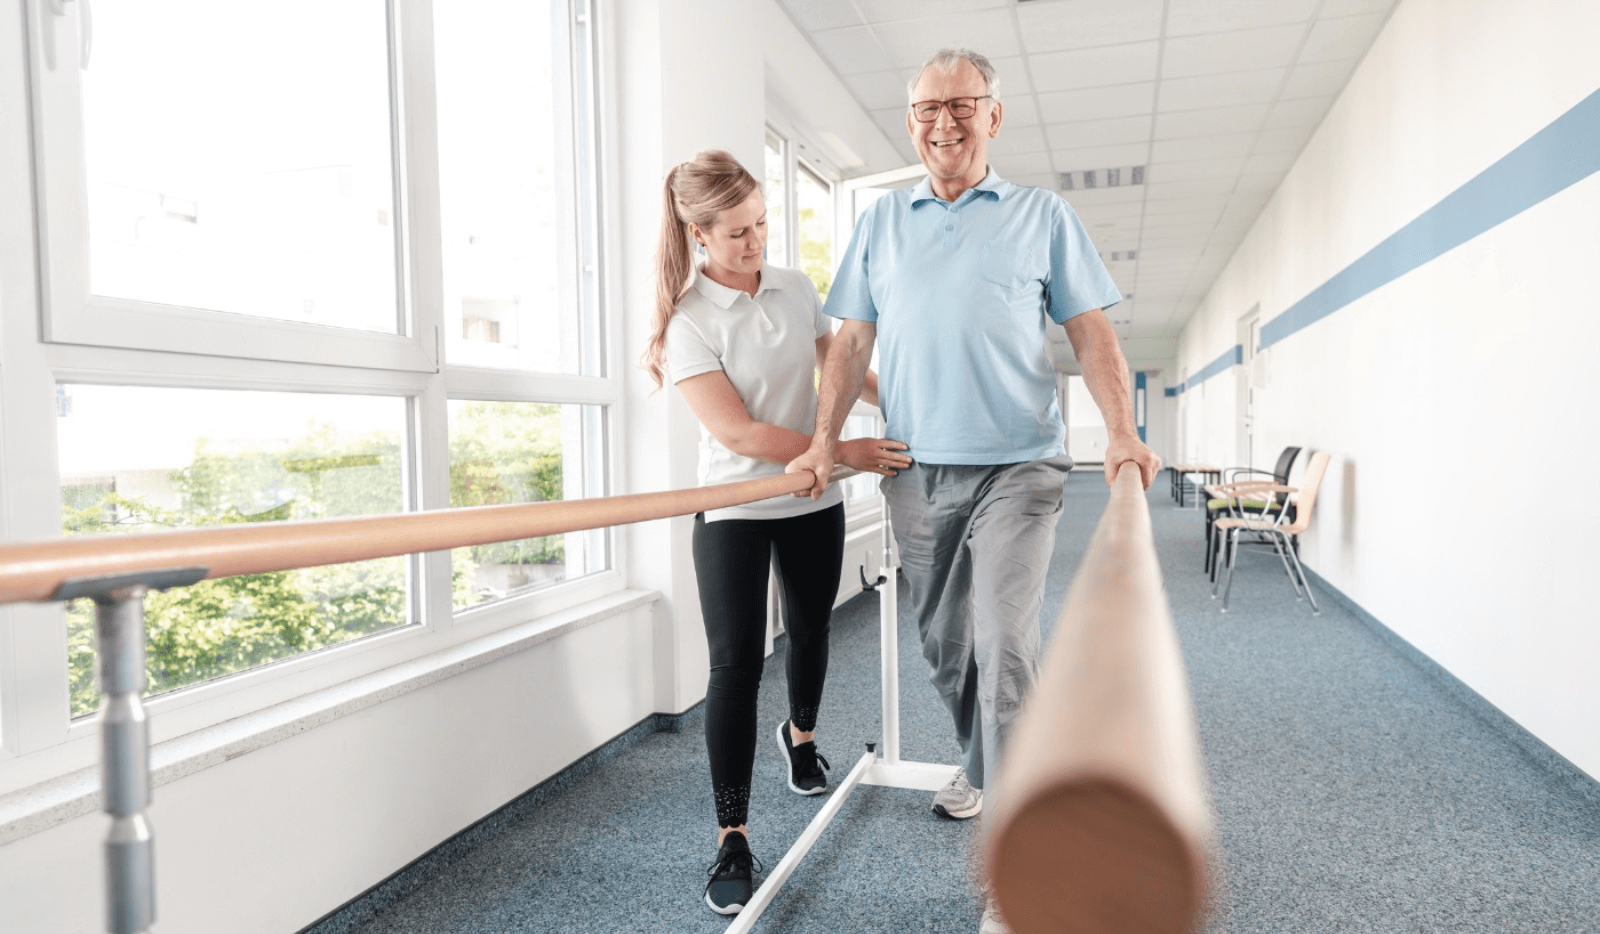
(734, 244)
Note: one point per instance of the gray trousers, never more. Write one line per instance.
(975, 545)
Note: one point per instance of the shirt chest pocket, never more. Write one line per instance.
(1008, 264)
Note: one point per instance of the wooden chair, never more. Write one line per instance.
(1271, 527)
(1220, 498)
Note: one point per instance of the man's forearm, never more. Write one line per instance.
(1105, 373)
(843, 377)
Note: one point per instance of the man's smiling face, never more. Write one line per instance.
(954, 150)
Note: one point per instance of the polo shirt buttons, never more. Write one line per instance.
(949, 226)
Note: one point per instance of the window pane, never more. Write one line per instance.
(239, 159)
(814, 201)
(142, 459)
(507, 221)
(777, 198)
(524, 452)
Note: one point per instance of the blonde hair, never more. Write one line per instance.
(695, 192)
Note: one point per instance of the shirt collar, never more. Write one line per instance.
(992, 185)
(724, 297)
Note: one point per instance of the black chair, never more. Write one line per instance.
(1220, 499)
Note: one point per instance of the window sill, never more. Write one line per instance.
(39, 807)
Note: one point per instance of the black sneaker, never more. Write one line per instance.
(805, 764)
(732, 880)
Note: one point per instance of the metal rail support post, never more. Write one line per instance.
(125, 760)
(125, 738)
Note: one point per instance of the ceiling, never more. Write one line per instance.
(1214, 98)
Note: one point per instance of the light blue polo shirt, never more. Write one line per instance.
(961, 294)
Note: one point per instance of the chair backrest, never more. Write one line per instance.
(1280, 473)
(1285, 464)
(1310, 482)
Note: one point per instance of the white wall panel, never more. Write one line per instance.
(1436, 390)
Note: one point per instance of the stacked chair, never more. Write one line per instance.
(1272, 526)
(1222, 499)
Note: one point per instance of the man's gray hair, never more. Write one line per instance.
(948, 60)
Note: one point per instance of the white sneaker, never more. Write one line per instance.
(992, 923)
(958, 800)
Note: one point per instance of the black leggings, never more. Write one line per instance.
(731, 558)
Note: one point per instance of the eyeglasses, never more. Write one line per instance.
(960, 108)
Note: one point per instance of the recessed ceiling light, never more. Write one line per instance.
(1102, 178)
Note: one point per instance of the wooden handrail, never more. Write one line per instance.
(1100, 821)
(34, 571)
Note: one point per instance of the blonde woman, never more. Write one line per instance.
(742, 341)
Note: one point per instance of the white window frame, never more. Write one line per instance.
(84, 338)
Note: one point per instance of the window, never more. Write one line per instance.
(814, 204)
(137, 459)
(777, 186)
(294, 272)
(522, 452)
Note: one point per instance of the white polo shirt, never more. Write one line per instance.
(767, 346)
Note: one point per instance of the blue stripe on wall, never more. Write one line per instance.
(1557, 157)
(1232, 358)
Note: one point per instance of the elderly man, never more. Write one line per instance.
(959, 277)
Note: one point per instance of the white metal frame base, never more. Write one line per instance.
(886, 770)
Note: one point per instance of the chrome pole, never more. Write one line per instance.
(125, 760)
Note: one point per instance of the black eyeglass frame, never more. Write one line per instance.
(951, 103)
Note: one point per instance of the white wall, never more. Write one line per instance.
(272, 840)
(1457, 399)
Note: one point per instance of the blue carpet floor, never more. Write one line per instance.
(1354, 792)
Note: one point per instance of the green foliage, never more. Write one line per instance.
(218, 627)
(815, 261)
(500, 453)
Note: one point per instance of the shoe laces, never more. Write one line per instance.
(809, 760)
(728, 860)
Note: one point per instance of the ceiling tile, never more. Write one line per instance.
(1259, 181)
(1244, 119)
(1080, 24)
(1245, 87)
(1198, 186)
(1094, 68)
(1045, 180)
(1200, 147)
(1119, 195)
(1086, 133)
(1213, 204)
(1346, 37)
(1014, 139)
(1191, 17)
(1200, 168)
(1100, 157)
(851, 51)
(1319, 79)
(878, 90)
(1019, 111)
(1225, 53)
(1307, 111)
(893, 124)
(814, 15)
(1335, 8)
(1019, 164)
(1127, 100)
(1270, 162)
(888, 11)
(1013, 77)
(1290, 139)
(909, 43)
(1189, 217)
